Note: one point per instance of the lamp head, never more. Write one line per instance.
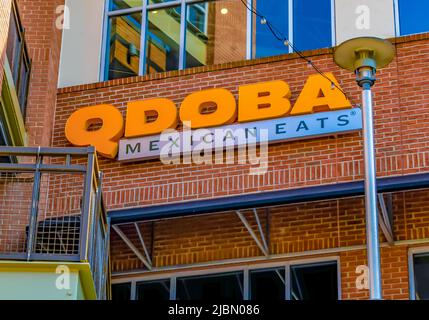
(364, 56)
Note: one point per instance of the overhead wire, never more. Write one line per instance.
(278, 34)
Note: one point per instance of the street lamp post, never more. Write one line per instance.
(364, 56)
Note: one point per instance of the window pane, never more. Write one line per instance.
(159, 1)
(314, 282)
(121, 292)
(13, 48)
(215, 33)
(276, 12)
(211, 287)
(125, 4)
(23, 86)
(413, 16)
(124, 46)
(267, 285)
(312, 24)
(153, 290)
(162, 40)
(421, 276)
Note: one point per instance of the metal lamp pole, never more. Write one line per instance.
(363, 56)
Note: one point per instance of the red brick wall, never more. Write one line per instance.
(44, 44)
(402, 128)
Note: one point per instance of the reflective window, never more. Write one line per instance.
(421, 276)
(18, 58)
(268, 284)
(413, 16)
(14, 48)
(162, 40)
(124, 46)
(211, 287)
(125, 4)
(215, 33)
(314, 282)
(158, 1)
(153, 290)
(312, 24)
(121, 291)
(277, 12)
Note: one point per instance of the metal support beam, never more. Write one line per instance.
(385, 219)
(252, 233)
(261, 233)
(146, 252)
(132, 247)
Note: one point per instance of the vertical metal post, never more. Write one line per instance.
(246, 284)
(143, 36)
(86, 208)
(249, 33)
(182, 44)
(32, 228)
(373, 245)
(173, 287)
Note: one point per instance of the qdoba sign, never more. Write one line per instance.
(263, 107)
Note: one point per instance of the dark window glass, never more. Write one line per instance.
(314, 282)
(23, 85)
(124, 46)
(18, 58)
(153, 290)
(312, 24)
(421, 276)
(3, 141)
(277, 13)
(162, 40)
(13, 50)
(267, 285)
(121, 291)
(413, 16)
(226, 287)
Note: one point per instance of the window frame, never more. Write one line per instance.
(411, 276)
(182, 44)
(23, 60)
(397, 17)
(178, 273)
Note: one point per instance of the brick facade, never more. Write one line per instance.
(44, 43)
(402, 128)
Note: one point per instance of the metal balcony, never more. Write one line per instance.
(51, 209)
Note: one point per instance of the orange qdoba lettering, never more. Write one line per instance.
(266, 100)
(226, 108)
(105, 139)
(318, 93)
(137, 116)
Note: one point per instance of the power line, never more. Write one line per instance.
(278, 34)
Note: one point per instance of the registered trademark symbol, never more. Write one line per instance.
(353, 113)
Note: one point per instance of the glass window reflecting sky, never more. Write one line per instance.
(413, 16)
(277, 13)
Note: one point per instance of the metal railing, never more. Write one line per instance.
(51, 209)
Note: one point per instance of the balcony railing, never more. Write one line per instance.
(51, 209)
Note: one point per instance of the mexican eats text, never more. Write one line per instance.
(263, 113)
